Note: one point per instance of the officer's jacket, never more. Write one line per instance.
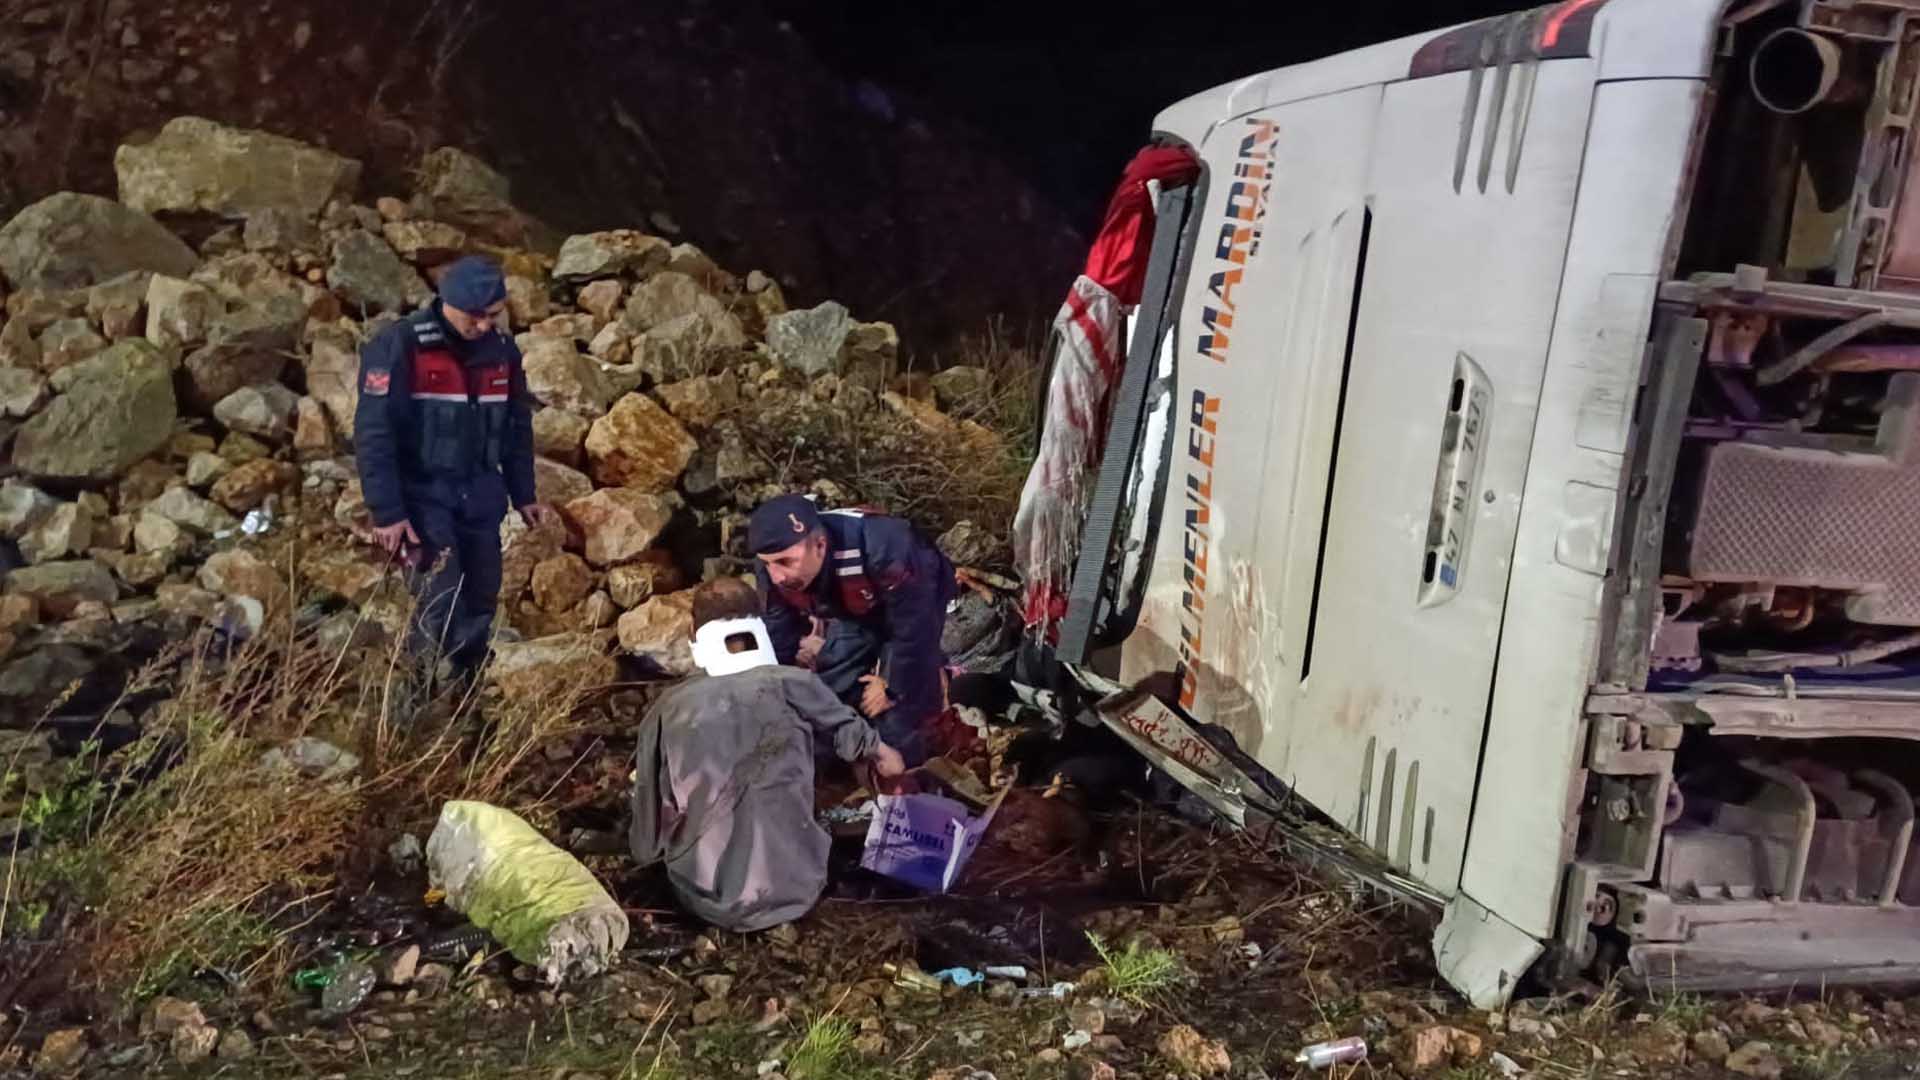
(882, 573)
(439, 411)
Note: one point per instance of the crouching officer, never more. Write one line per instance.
(443, 438)
(861, 599)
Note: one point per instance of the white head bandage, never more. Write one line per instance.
(710, 646)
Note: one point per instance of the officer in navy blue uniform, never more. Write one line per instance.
(861, 599)
(443, 437)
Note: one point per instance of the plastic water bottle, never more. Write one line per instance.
(1328, 1054)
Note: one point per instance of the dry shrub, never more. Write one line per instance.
(1012, 408)
(953, 469)
(185, 851)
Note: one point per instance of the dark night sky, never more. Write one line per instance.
(1012, 71)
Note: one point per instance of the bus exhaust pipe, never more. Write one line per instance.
(1793, 71)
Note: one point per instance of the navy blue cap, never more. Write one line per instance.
(473, 284)
(781, 522)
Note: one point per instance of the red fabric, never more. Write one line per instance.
(1118, 260)
(1103, 353)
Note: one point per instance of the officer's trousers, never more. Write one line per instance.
(457, 586)
(849, 652)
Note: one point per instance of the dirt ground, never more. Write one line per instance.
(1268, 959)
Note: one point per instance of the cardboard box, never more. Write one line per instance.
(925, 840)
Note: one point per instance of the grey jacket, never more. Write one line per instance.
(724, 792)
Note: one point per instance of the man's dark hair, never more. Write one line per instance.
(722, 599)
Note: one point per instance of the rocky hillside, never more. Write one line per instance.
(178, 372)
(718, 122)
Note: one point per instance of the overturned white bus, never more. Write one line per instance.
(1516, 452)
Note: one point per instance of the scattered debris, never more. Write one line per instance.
(1059, 990)
(925, 840)
(538, 901)
(406, 855)
(347, 988)
(1328, 1054)
(910, 977)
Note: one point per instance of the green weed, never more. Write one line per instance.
(824, 1051)
(1137, 971)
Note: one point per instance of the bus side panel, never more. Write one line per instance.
(1637, 153)
(1260, 334)
(1452, 332)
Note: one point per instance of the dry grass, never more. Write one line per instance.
(938, 471)
(186, 852)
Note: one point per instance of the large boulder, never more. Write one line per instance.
(247, 486)
(157, 535)
(343, 572)
(239, 572)
(18, 349)
(619, 524)
(275, 231)
(686, 346)
(191, 512)
(112, 411)
(559, 375)
(245, 347)
(68, 342)
(681, 327)
(426, 243)
(333, 375)
(264, 410)
(312, 431)
(60, 587)
(660, 633)
(65, 533)
(557, 434)
(179, 312)
(22, 392)
(633, 584)
(703, 401)
(22, 508)
(467, 192)
(248, 278)
(871, 356)
(639, 445)
(557, 484)
(963, 390)
(70, 241)
(370, 278)
(603, 301)
(610, 254)
(550, 669)
(810, 341)
(696, 264)
(523, 547)
(560, 583)
(198, 166)
(527, 301)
